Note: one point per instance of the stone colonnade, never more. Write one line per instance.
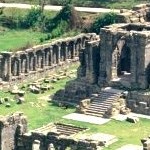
(18, 65)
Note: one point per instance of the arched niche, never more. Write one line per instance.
(15, 66)
(77, 46)
(121, 59)
(71, 49)
(47, 56)
(40, 59)
(55, 53)
(32, 63)
(63, 51)
(24, 63)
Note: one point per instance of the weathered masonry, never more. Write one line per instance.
(121, 58)
(38, 60)
(125, 55)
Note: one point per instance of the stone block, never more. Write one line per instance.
(132, 119)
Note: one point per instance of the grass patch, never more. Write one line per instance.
(15, 39)
(43, 113)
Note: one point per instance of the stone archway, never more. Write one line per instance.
(124, 63)
(121, 59)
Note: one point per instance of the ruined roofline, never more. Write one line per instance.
(128, 28)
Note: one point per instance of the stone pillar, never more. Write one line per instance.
(9, 67)
(27, 63)
(1, 68)
(65, 51)
(143, 59)
(58, 54)
(105, 73)
(92, 61)
(51, 61)
(54, 50)
(19, 66)
(35, 62)
(47, 54)
(73, 50)
(43, 59)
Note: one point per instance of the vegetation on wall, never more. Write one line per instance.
(103, 20)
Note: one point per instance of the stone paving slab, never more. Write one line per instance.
(121, 117)
(112, 90)
(86, 118)
(131, 147)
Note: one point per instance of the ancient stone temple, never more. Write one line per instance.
(119, 59)
(124, 55)
(40, 60)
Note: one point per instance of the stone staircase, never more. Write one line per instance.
(59, 128)
(102, 102)
(68, 130)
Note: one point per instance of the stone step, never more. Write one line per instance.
(68, 129)
(96, 111)
(101, 103)
(102, 100)
(99, 106)
(66, 132)
(96, 115)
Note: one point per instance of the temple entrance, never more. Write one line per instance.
(121, 63)
(124, 61)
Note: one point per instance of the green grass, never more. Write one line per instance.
(15, 39)
(12, 40)
(127, 133)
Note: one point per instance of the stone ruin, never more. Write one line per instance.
(11, 128)
(119, 59)
(14, 136)
(139, 13)
(38, 61)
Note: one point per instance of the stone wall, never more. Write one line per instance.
(39, 60)
(87, 76)
(139, 102)
(139, 13)
(131, 43)
(11, 127)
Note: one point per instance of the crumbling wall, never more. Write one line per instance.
(11, 127)
(139, 13)
(87, 76)
(139, 102)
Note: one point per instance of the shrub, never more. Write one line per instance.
(31, 18)
(103, 20)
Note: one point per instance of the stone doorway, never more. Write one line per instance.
(121, 63)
